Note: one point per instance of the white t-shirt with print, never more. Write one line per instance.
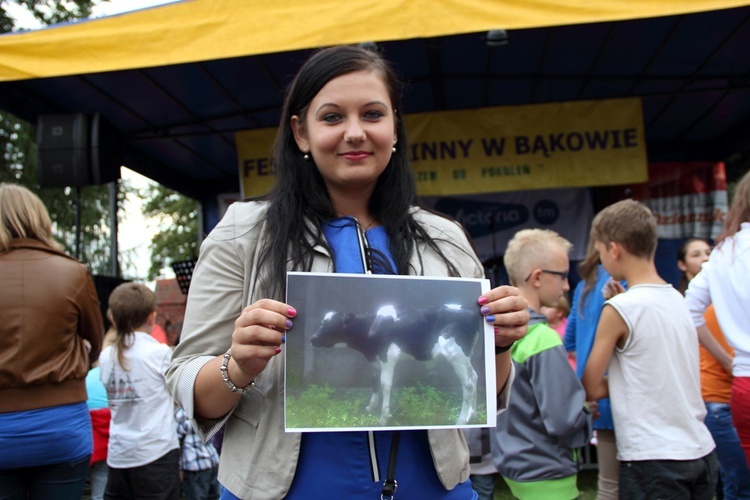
(143, 427)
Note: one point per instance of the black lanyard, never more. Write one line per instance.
(390, 485)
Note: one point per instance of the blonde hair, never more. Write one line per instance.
(23, 215)
(529, 249)
(628, 223)
(563, 305)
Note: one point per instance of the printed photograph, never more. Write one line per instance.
(375, 352)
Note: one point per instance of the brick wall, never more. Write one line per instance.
(170, 308)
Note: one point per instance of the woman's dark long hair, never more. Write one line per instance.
(681, 256)
(300, 194)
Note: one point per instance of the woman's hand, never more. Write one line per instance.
(505, 309)
(258, 334)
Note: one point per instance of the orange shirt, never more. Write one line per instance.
(716, 383)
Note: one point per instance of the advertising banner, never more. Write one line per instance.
(688, 199)
(569, 144)
(492, 219)
(510, 148)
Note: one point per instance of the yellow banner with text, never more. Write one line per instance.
(509, 148)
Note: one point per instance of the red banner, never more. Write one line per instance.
(688, 199)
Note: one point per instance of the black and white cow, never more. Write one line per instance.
(424, 334)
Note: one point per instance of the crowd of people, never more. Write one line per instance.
(618, 367)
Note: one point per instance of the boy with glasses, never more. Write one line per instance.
(536, 439)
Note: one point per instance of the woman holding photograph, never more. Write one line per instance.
(343, 202)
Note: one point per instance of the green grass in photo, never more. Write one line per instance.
(323, 406)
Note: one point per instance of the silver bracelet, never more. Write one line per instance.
(225, 375)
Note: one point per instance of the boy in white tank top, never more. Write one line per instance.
(645, 359)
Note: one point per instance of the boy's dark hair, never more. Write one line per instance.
(628, 223)
(131, 304)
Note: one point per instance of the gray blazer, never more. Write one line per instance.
(258, 458)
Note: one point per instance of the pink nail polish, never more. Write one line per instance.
(292, 312)
(482, 300)
(278, 350)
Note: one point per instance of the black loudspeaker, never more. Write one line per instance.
(77, 150)
(105, 151)
(62, 150)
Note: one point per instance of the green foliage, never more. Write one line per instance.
(18, 162)
(178, 215)
(48, 11)
(325, 406)
(179, 227)
(17, 150)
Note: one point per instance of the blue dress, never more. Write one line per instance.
(581, 331)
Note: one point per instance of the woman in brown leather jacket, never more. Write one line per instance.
(51, 331)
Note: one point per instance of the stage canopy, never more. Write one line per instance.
(179, 80)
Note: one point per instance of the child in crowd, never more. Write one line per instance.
(199, 462)
(690, 257)
(595, 287)
(557, 319)
(557, 315)
(143, 453)
(536, 439)
(647, 345)
(100, 418)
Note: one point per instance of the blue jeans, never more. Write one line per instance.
(484, 485)
(201, 485)
(677, 479)
(64, 481)
(733, 468)
(98, 473)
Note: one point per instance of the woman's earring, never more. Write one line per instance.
(394, 149)
(306, 156)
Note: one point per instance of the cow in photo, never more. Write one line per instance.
(429, 333)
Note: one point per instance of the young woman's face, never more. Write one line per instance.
(349, 131)
(696, 254)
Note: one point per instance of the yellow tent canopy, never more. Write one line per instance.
(201, 30)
